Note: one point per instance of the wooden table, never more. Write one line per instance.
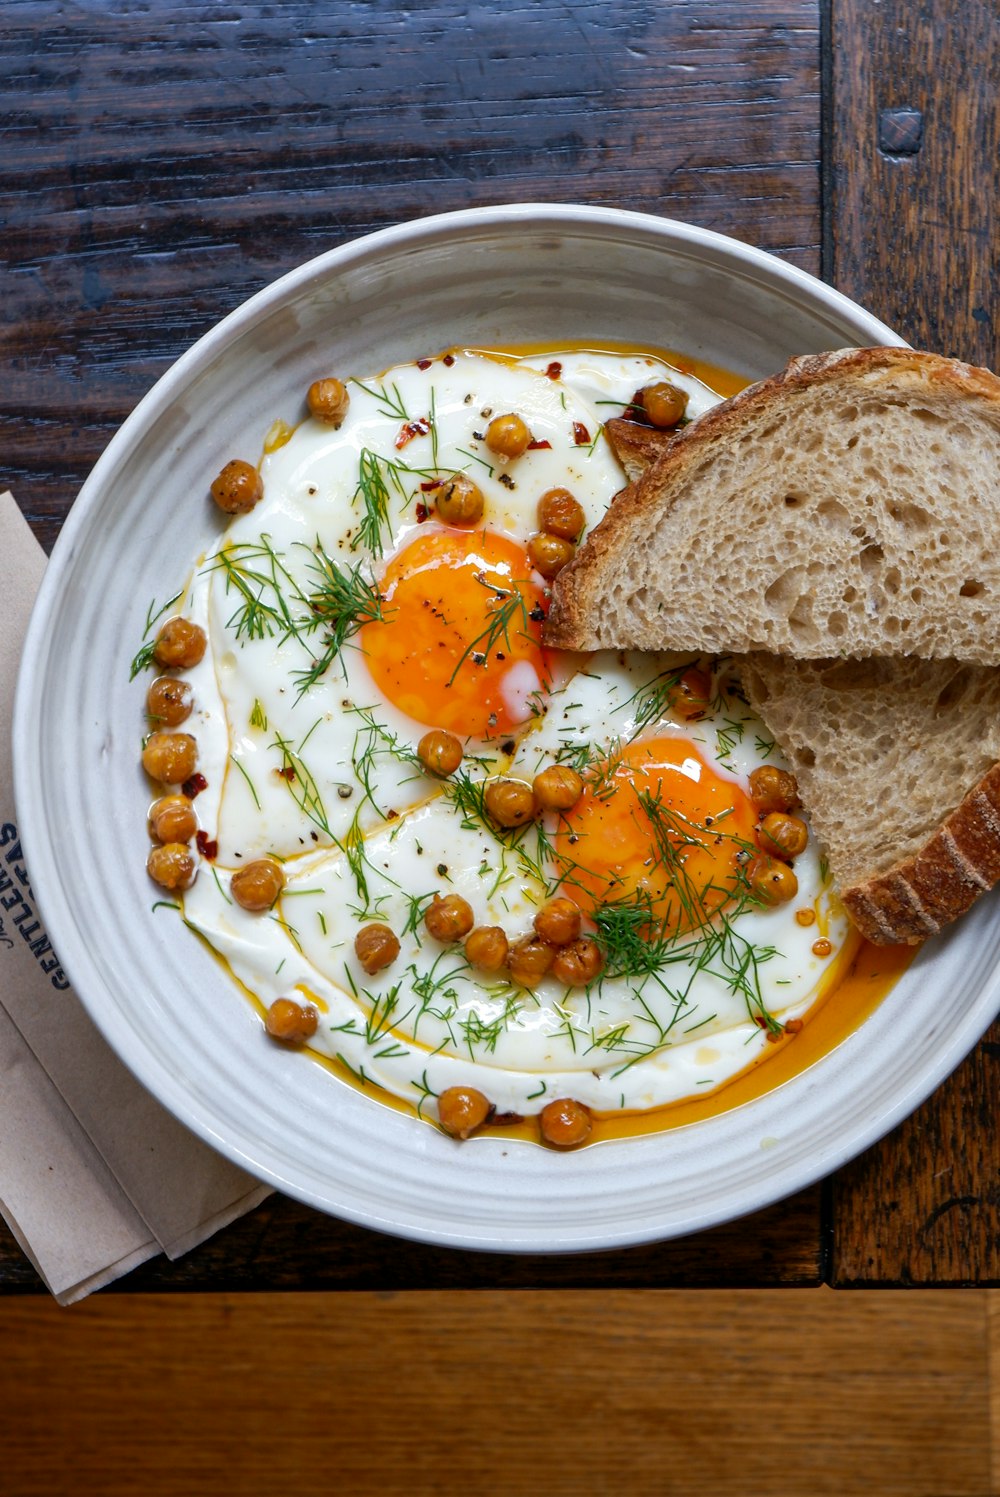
(161, 165)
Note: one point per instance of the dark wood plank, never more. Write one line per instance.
(914, 177)
(163, 162)
(283, 1245)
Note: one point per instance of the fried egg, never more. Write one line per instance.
(345, 618)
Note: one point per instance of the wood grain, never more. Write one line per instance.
(283, 1245)
(913, 135)
(913, 232)
(678, 1395)
(163, 162)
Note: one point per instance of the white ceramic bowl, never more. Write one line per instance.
(485, 277)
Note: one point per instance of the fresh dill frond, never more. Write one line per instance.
(483, 1034)
(352, 845)
(704, 915)
(434, 431)
(143, 657)
(505, 607)
(373, 493)
(578, 755)
(468, 796)
(602, 776)
(342, 602)
(631, 938)
(390, 405)
(301, 785)
(380, 1015)
(611, 1040)
(258, 717)
(358, 1072)
(369, 743)
(424, 1090)
(654, 699)
(474, 458)
(728, 736)
(255, 572)
(417, 906)
(437, 993)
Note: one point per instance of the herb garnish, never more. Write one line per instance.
(342, 602)
(144, 656)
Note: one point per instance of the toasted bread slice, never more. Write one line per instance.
(848, 506)
(897, 767)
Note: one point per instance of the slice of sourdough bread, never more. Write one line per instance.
(897, 768)
(848, 506)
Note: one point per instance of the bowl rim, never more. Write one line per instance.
(72, 942)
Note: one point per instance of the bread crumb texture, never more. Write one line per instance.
(896, 763)
(848, 506)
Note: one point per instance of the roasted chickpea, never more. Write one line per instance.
(170, 757)
(171, 866)
(439, 752)
(376, 946)
(461, 1110)
(169, 701)
(529, 960)
(238, 488)
(549, 553)
(486, 947)
(664, 403)
(459, 501)
(509, 803)
(328, 400)
(290, 1021)
(771, 881)
(557, 788)
(783, 835)
(578, 963)
(507, 436)
(560, 514)
(449, 918)
(692, 695)
(173, 819)
(773, 789)
(256, 886)
(558, 922)
(565, 1123)
(180, 644)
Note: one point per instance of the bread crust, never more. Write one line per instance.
(916, 898)
(573, 620)
(636, 446)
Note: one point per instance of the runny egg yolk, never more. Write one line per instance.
(457, 646)
(657, 824)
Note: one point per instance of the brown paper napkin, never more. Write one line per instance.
(95, 1176)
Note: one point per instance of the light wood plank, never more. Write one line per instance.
(755, 1392)
(993, 1354)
